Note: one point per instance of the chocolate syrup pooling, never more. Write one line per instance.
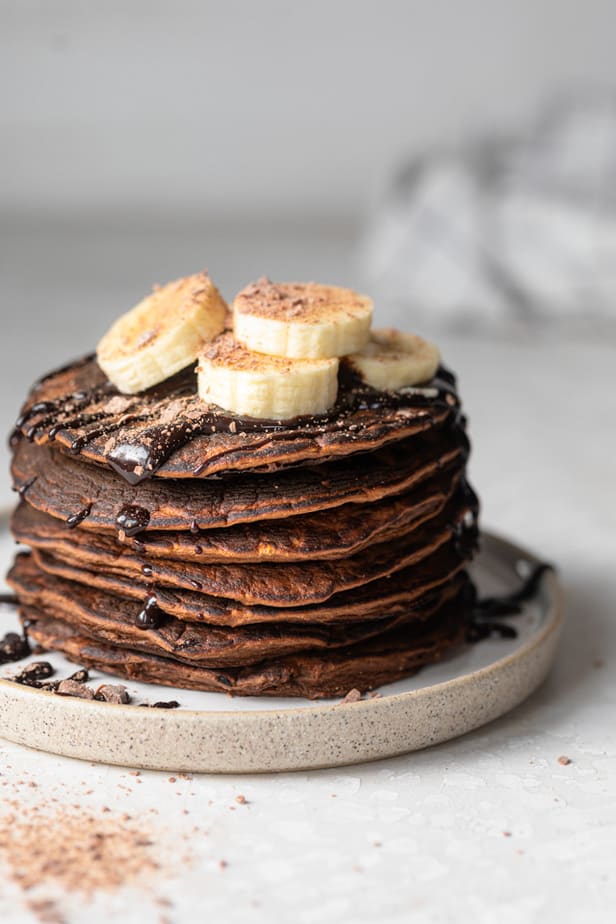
(486, 612)
(169, 704)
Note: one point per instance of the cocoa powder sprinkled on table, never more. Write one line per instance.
(46, 911)
(76, 850)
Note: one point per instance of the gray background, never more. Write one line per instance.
(269, 106)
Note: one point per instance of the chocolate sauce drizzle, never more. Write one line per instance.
(65, 405)
(150, 615)
(132, 519)
(23, 489)
(465, 531)
(143, 457)
(138, 461)
(77, 518)
(487, 612)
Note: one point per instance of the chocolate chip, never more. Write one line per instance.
(74, 688)
(33, 674)
(13, 647)
(113, 693)
(80, 676)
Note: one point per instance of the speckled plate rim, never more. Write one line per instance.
(310, 737)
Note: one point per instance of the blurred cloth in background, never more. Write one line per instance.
(504, 232)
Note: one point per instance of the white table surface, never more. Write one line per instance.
(490, 827)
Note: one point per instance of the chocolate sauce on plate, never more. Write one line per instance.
(486, 612)
(169, 704)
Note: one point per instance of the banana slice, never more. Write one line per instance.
(162, 334)
(392, 359)
(301, 320)
(257, 385)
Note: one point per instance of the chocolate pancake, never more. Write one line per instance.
(381, 598)
(175, 543)
(334, 534)
(112, 618)
(364, 666)
(286, 584)
(168, 431)
(93, 498)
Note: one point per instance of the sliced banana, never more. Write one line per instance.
(392, 359)
(257, 385)
(301, 320)
(162, 334)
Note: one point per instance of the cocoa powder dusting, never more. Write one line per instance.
(46, 911)
(75, 850)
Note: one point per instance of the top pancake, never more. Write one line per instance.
(168, 431)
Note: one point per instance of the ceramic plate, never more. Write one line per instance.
(211, 732)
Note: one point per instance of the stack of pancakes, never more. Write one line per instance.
(176, 544)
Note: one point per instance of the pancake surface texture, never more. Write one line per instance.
(174, 542)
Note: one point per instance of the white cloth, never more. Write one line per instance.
(506, 232)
